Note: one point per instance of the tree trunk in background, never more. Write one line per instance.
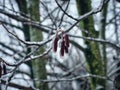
(117, 57)
(103, 36)
(22, 4)
(92, 53)
(36, 35)
(38, 66)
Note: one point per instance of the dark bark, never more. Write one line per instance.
(22, 4)
(92, 52)
(36, 35)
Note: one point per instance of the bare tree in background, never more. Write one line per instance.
(28, 29)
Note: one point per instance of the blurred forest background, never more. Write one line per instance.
(27, 31)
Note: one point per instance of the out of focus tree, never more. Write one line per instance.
(96, 60)
(37, 66)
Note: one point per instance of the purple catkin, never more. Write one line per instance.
(55, 44)
(4, 68)
(66, 40)
(0, 70)
(62, 48)
(66, 49)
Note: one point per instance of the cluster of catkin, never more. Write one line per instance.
(64, 44)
